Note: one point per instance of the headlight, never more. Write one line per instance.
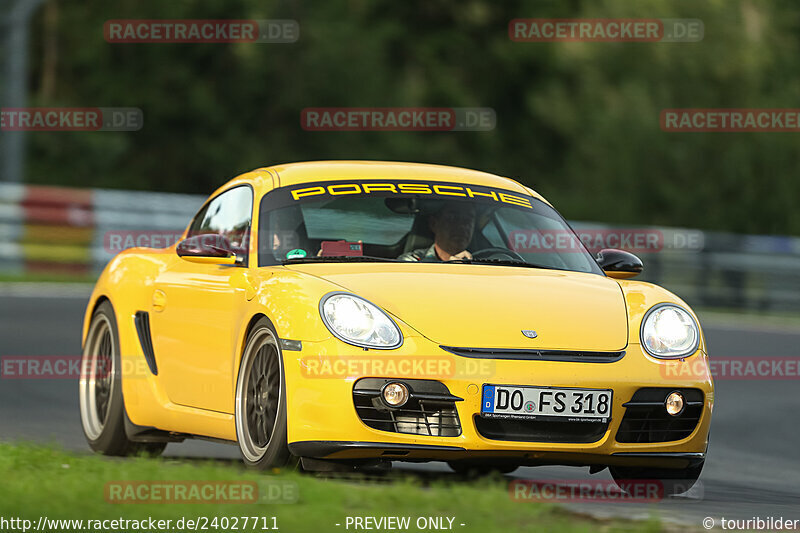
(668, 331)
(356, 321)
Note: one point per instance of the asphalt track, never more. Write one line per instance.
(752, 470)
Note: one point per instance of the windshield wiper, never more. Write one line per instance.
(338, 259)
(374, 259)
(501, 262)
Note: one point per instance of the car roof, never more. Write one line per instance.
(285, 174)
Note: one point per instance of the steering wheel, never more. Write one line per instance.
(498, 253)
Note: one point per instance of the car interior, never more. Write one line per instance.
(296, 227)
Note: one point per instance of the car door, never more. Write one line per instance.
(197, 309)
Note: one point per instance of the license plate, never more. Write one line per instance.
(546, 403)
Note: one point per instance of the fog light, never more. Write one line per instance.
(674, 403)
(395, 394)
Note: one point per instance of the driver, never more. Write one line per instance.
(452, 227)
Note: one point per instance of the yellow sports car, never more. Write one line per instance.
(357, 313)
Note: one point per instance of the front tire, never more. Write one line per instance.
(260, 409)
(101, 403)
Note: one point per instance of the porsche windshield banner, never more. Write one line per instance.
(328, 190)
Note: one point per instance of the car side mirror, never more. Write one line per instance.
(207, 249)
(619, 264)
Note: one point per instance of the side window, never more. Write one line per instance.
(492, 235)
(229, 215)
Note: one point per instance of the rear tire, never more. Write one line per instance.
(260, 409)
(673, 481)
(101, 403)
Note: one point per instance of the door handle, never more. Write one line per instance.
(243, 280)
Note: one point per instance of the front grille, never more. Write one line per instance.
(646, 419)
(540, 430)
(430, 409)
(536, 355)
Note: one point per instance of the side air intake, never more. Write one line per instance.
(142, 321)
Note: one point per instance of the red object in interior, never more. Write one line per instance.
(341, 248)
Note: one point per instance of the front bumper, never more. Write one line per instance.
(323, 422)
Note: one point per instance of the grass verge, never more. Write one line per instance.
(42, 481)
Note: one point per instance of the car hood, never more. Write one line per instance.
(483, 306)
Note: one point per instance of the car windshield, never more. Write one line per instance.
(415, 221)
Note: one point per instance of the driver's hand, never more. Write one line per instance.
(461, 255)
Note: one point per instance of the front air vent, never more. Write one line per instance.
(540, 430)
(646, 420)
(570, 356)
(430, 409)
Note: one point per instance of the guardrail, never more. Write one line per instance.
(54, 229)
(758, 273)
